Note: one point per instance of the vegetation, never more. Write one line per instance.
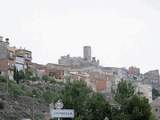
(18, 75)
(87, 104)
(2, 79)
(124, 91)
(132, 106)
(15, 89)
(47, 78)
(138, 108)
(24, 75)
(28, 74)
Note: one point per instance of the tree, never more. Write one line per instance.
(97, 107)
(74, 95)
(51, 96)
(28, 74)
(18, 75)
(138, 108)
(124, 91)
(15, 76)
(21, 75)
(87, 104)
(132, 106)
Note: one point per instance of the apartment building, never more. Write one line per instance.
(11, 56)
(134, 70)
(144, 90)
(153, 78)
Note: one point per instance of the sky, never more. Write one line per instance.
(122, 33)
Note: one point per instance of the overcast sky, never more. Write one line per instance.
(122, 33)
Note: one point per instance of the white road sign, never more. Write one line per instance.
(62, 113)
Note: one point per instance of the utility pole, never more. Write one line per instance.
(7, 84)
(8, 68)
(33, 108)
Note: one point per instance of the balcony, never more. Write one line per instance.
(19, 54)
(28, 58)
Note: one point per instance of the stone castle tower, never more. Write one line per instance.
(87, 53)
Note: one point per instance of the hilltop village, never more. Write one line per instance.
(87, 68)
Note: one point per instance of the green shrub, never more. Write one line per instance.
(37, 92)
(15, 89)
(28, 74)
(39, 117)
(2, 79)
(27, 91)
(34, 78)
(45, 78)
(52, 80)
(50, 96)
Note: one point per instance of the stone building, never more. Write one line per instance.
(134, 74)
(134, 70)
(52, 70)
(144, 90)
(117, 74)
(98, 81)
(83, 76)
(3, 48)
(39, 70)
(152, 78)
(86, 61)
(102, 81)
(6, 59)
(57, 74)
(87, 53)
(156, 108)
(23, 59)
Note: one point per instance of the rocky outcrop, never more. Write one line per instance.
(17, 108)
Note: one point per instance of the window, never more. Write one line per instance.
(26, 55)
(19, 67)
